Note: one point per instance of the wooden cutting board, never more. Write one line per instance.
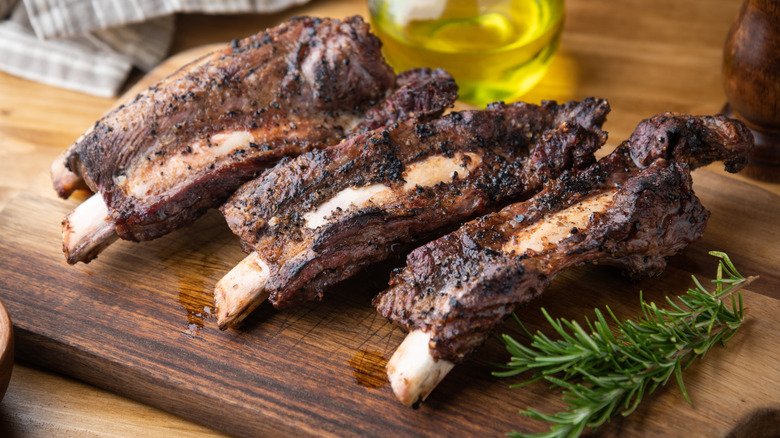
(138, 321)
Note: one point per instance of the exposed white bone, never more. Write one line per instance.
(438, 168)
(556, 227)
(227, 142)
(239, 292)
(87, 230)
(412, 371)
(343, 200)
(425, 173)
(65, 181)
(149, 176)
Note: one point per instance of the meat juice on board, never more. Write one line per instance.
(495, 49)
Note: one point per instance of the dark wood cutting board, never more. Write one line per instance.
(138, 321)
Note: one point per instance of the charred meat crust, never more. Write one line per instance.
(459, 287)
(519, 147)
(418, 91)
(696, 140)
(303, 85)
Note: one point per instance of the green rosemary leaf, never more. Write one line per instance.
(727, 261)
(678, 376)
(603, 372)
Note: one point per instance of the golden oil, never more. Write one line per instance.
(495, 49)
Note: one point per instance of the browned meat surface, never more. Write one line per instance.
(318, 219)
(630, 213)
(420, 93)
(185, 144)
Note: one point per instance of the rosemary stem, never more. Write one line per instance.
(605, 373)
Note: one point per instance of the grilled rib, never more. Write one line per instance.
(186, 143)
(632, 209)
(318, 219)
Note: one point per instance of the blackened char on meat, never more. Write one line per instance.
(318, 219)
(421, 93)
(632, 209)
(186, 143)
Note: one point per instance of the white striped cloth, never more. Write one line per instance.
(91, 45)
(63, 18)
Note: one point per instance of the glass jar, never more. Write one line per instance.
(495, 49)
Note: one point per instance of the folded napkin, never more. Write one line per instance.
(92, 45)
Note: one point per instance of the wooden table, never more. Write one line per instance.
(645, 57)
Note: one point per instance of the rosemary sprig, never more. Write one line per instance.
(605, 373)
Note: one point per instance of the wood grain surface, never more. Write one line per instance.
(136, 321)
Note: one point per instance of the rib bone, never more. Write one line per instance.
(87, 230)
(413, 372)
(241, 290)
(65, 181)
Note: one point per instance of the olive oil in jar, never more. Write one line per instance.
(495, 49)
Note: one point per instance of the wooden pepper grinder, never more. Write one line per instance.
(751, 80)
